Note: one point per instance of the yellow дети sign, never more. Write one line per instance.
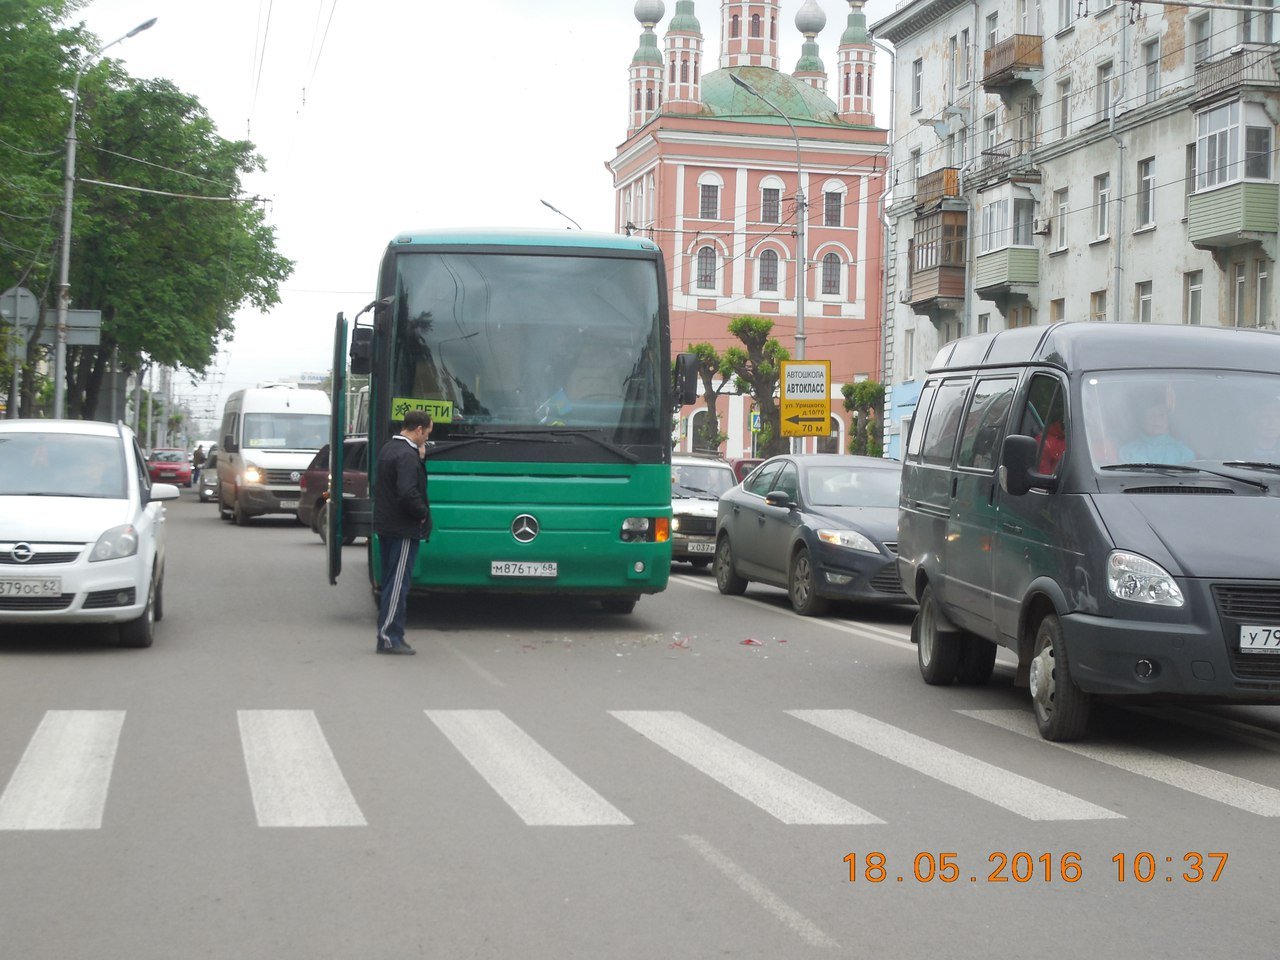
(805, 398)
(441, 410)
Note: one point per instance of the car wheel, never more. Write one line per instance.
(938, 651)
(224, 511)
(141, 632)
(321, 526)
(802, 586)
(160, 598)
(977, 661)
(1061, 708)
(727, 580)
(618, 604)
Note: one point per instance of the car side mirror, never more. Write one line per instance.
(686, 379)
(779, 498)
(1017, 463)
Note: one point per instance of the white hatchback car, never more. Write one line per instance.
(81, 527)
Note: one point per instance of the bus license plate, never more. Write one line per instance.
(1258, 639)
(701, 548)
(522, 568)
(45, 587)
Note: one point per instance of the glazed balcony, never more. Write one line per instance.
(936, 259)
(1015, 60)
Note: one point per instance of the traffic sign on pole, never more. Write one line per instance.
(805, 402)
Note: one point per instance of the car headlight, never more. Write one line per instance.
(847, 538)
(675, 524)
(1131, 577)
(254, 474)
(117, 542)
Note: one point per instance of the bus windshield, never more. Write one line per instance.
(497, 342)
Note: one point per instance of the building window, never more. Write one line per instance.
(846, 82)
(648, 98)
(773, 28)
(673, 72)
(1103, 91)
(1021, 317)
(984, 322)
(832, 209)
(1023, 213)
(995, 226)
(1101, 206)
(706, 268)
(637, 98)
(1142, 306)
(695, 69)
(858, 87)
(1098, 306)
(908, 354)
(1147, 192)
(916, 168)
(1193, 291)
(1189, 181)
(966, 57)
(709, 206)
(684, 71)
(1202, 37)
(993, 30)
(1066, 13)
(831, 274)
(735, 27)
(1262, 294)
(1220, 135)
(953, 67)
(1151, 69)
(771, 205)
(1060, 206)
(989, 135)
(1257, 153)
(755, 25)
(1058, 310)
(1256, 27)
(938, 241)
(1064, 107)
(769, 271)
(1239, 292)
(917, 83)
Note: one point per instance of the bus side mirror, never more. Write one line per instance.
(686, 379)
(361, 351)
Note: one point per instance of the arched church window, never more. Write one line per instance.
(755, 25)
(735, 29)
(648, 98)
(684, 71)
(673, 71)
(858, 85)
(706, 268)
(846, 83)
(831, 274)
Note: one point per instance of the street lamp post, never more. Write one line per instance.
(562, 213)
(800, 213)
(68, 190)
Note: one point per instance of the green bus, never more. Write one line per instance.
(545, 361)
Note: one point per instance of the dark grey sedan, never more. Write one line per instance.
(824, 527)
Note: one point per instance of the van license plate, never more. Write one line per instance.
(522, 568)
(45, 587)
(1257, 639)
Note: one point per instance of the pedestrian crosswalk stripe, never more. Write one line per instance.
(778, 791)
(538, 787)
(1015, 793)
(293, 776)
(62, 779)
(1192, 777)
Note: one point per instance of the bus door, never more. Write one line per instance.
(337, 434)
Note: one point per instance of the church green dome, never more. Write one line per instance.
(721, 97)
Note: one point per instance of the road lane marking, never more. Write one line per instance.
(62, 779)
(479, 671)
(1191, 777)
(293, 776)
(1015, 793)
(805, 928)
(778, 791)
(538, 787)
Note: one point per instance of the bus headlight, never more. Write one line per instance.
(645, 529)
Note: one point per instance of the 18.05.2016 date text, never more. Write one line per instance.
(1022, 867)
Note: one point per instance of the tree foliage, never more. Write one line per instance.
(755, 368)
(865, 399)
(707, 435)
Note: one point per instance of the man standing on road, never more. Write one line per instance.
(197, 464)
(402, 520)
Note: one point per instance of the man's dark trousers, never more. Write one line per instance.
(398, 558)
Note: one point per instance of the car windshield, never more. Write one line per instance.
(285, 431)
(168, 456)
(61, 465)
(1181, 416)
(842, 486)
(702, 479)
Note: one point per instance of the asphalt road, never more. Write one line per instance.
(548, 781)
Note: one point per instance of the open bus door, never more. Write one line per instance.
(337, 434)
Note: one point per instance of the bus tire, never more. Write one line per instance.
(618, 604)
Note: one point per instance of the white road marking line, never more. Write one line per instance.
(538, 787)
(1015, 793)
(480, 671)
(776, 790)
(293, 775)
(62, 779)
(1203, 781)
(805, 928)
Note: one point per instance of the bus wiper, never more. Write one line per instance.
(1252, 464)
(600, 441)
(1185, 468)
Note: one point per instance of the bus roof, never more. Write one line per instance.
(493, 237)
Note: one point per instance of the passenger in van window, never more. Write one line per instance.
(1155, 443)
(1053, 444)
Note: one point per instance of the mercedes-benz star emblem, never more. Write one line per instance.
(22, 552)
(524, 528)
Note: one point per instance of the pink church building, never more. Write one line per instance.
(709, 171)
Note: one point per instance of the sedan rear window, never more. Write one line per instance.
(61, 465)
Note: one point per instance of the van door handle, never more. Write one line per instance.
(954, 484)
(760, 519)
(1011, 527)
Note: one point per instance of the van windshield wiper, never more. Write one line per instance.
(1251, 464)
(1185, 468)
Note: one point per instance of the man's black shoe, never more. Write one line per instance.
(401, 649)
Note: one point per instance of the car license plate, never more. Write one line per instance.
(701, 548)
(288, 504)
(45, 587)
(1258, 639)
(522, 568)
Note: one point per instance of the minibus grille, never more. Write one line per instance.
(285, 478)
(1255, 604)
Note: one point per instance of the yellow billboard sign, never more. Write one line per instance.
(805, 388)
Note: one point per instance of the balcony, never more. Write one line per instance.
(1013, 61)
(1254, 65)
(1008, 276)
(937, 271)
(1006, 160)
(1234, 214)
(937, 185)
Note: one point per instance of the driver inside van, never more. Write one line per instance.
(1155, 442)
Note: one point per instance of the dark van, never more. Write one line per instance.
(1102, 500)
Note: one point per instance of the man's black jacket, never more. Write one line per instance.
(400, 507)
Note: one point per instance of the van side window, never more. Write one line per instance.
(944, 421)
(915, 439)
(761, 482)
(1045, 418)
(984, 426)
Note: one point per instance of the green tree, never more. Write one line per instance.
(755, 368)
(865, 400)
(708, 435)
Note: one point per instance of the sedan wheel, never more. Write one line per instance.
(802, 588)
(727, 579)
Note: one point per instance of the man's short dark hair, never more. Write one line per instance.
(415, 419)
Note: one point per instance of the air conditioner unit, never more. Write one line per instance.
(1041, 226)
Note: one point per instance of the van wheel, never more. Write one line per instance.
(141, 632)
(977, 662)
(938, 651)
(223, 512)
(238, 515)
(1061, 708)
(802, 587)
(727, 580)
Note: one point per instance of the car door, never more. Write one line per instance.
(971, 527)
(776, 527)
(747, 515)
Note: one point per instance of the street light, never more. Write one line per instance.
(800, 213)
(562, 213)
(68, 189)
